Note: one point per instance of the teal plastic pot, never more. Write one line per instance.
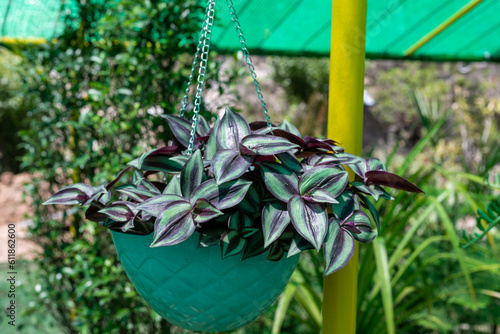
(194, 288)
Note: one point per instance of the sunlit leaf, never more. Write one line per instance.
(231, 130)
(309, 219)
(191, 174)
(229, 165)
(280, 181)
(275, 218)
(173, 225)
(338, 248)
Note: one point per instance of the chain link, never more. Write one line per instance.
(205, 48)
(185, 100)
(248, 59)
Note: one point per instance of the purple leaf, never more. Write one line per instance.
(92, 214)
(387, 179)
(275, 218)
(280, 181)
(174, 224)
(112, 183)
(232, 128)
(309, 219)
(229, 165)
(223, 196)
(316, 144)
(77, 193)
(290, 137)
(257, 125)
(191, 174)
(267, 145)
(203, 211)
(157, 204)
(338, 248)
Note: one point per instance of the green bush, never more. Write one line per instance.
(94, 90)
(13, 109)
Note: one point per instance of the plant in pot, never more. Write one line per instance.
(210, 227)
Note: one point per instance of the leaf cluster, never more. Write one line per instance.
(247, 187)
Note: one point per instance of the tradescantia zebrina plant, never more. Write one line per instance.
(249, 188)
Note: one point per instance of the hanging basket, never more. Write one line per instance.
(194, 288)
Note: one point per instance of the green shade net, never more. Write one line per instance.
(302, 27)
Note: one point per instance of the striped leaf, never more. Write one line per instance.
(319, 195)
(75, 194)
(157, 204)
(370, 190)
(251, 203)
(191, 174)
(333, 180)
(134, 193)
(120, 211)
(362, 223)
(211, 145)
(229, 165)
(181, 128)
(290, 161)
(275, 218)
(254, 247)
(276, 252)
(231, 130)
(173, 225)
(347, 203)
(309, 219)
(289, 127)
(204, 211)
(222, 196)
(338, 248)
(174, 186)
(298, 244)
(203, 128)
(372, 209)
(231, 243)
(280, 181)
(239, 221)
(267, 145)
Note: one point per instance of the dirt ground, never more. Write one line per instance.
(14, 211)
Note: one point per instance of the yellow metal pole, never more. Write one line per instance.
(345, 125)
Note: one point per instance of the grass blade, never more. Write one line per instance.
(384, 277)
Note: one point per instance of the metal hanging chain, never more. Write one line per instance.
(246, 53)
(205, 48)
(185, 100)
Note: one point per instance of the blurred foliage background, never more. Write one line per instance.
(79, 108)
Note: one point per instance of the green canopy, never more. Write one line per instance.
(396, 29)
